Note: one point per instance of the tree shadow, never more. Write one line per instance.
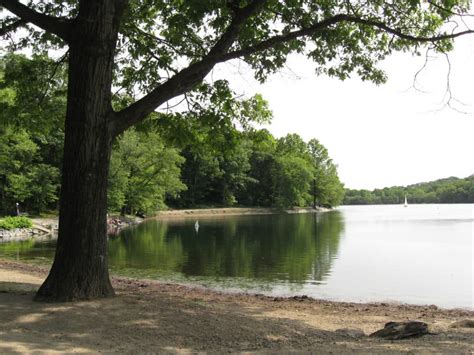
(17, 287)
(144, 318)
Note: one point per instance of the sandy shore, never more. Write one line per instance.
(232, 211)
(149, 316)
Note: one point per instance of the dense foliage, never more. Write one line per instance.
(142, 172)
(259, 170)
(210, 162)
(450, 190)
(32, 106)
(15, 222)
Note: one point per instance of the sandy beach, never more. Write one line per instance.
(149, 316)
(232, 211)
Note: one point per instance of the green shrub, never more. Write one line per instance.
(5, 225)
(15, 222)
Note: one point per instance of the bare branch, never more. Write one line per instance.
(188, 103)
(170, 107)
(57, 25)
(419, 71)
(58, 63)
(449, 98)
(165, 42)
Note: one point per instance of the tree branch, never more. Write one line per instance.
(57, 25)
(12, 26)
(442, 8)
(51, 77)
(196, 72)
(165, 42)
(402, 35)
(273, 41)
(186, 78)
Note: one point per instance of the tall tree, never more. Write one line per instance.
(142, 172)
(165, 49)
(328, 189)
(260, 189)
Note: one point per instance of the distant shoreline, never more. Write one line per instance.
(233, 211)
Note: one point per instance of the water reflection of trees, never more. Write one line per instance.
(31, 250)
(293, 248)
(147, 246)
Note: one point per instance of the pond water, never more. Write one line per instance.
(422, 254)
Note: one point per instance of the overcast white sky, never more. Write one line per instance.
(378, 135)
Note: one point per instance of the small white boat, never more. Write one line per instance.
(196, 226)
(406, 203)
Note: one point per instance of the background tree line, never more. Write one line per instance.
(210, 162)
(450, 190)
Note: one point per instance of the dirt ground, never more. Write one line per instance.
(149, 316)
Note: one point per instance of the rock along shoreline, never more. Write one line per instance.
(47, 229)
(23, 234)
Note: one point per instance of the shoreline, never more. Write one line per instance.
(233, 211)
(151, 315)
(42, 269)
(47, 228)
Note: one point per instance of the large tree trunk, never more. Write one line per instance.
(80, 269)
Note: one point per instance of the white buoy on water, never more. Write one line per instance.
(196, 226)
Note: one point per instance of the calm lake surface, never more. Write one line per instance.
(422, 254)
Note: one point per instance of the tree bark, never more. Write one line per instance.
(80, 268)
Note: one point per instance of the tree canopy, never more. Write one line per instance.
(166, 48)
